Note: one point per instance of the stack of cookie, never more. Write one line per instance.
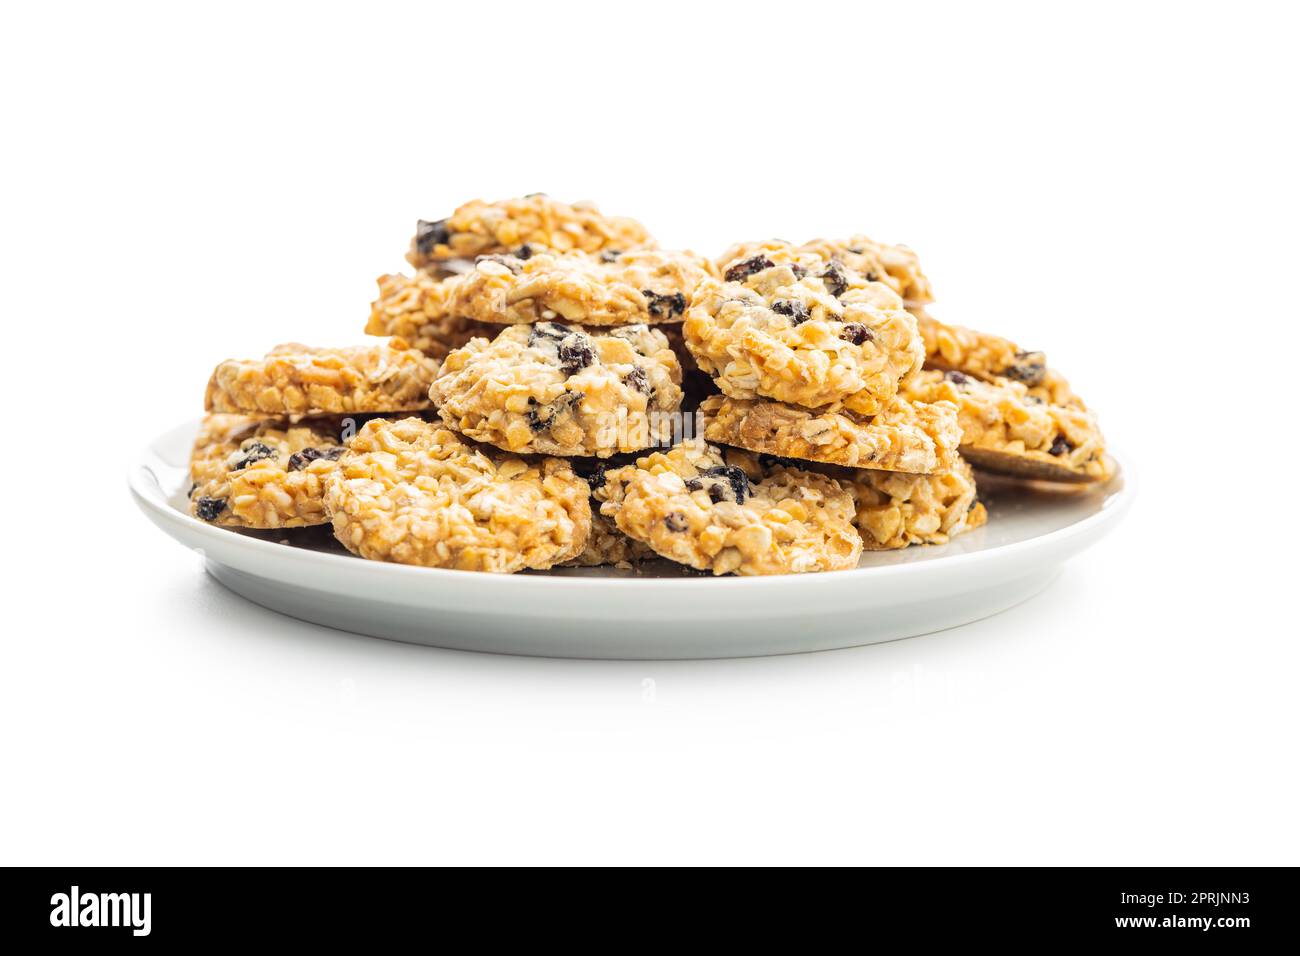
(585, 397)
(277, 426)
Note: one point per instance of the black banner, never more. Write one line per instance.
(136, 907)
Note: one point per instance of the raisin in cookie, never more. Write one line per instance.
(264, 473)
(638, 287)
(896, 266)
(412, 492)
(913, 437)
(990, 357)
(294, 379)
(692, 507)
(408, 307)
(533, 223)
(562, 390)
(802, 329)
(1006, 429)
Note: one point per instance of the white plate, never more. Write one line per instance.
(657, 612)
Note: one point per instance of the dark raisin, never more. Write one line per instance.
(856, 333)
(797, 311)
(1061, 446)
(610, 255)
(542, 417)
(716, 494)
(430, 234)
(576, 353)
(539, 417)
(835, 280)
(301, 459)
(597, 477)
(694, 484)
(747, 267)
(637, 380)
(798, 270)
(208, 508)
(675, 521)
(957, 378)
(546, 332)
(872, 277)
(734, 476)
(1029, 367)
(662, 305)
(524, 252)
(253, 452)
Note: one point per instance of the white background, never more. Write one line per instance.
(1113, 183)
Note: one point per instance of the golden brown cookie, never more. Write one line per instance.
(530, 224)
(264, 473)
(797, 328)
(412, 492)
(563, 390)
(407, 307)
(691, 507)
(644, 286)
(1006, 429)
(914, 437)
(896, 266)
(295, 379)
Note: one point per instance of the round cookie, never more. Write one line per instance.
(991, 357)
(644, 286)
(408, 308)
(801, 329)
(896, 266)
(295, 379)
(896, 510)
(264, 473)
(412, 492)
(691, 507)
(1006, 429)
(562, 390)
(537, 221)
(913, 437)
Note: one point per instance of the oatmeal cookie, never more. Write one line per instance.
(408, 307)
(895, 266)
(894, 510)
(801, 329)
(562, 390)
(264, 473)
(1006, 429)
(913, 437)
(639, 287)
(990, 357)
(532, 224)
(412, 492)
(294, 379)
(691, 507)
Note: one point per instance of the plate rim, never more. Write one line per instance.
(147, 491)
